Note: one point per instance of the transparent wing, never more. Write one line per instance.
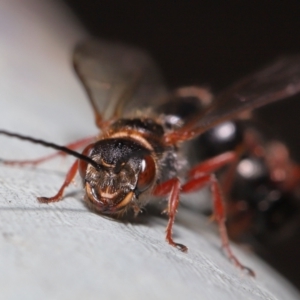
(117, 77)
(276, 82)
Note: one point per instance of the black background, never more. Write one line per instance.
(212, 43)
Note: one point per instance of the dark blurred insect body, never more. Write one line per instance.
(262, 186)
(138, 154)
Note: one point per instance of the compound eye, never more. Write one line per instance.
(147, 173)
(82, 165)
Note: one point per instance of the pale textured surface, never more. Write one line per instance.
(64, 251)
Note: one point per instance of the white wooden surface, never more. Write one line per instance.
(64, 251)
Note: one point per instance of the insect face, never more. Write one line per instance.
(126, 169)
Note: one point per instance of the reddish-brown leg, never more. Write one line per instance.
(197, 183)
(220, 216)
(171, 187)
(70, 176)
(198, 177)
(75, 145)
(213, 164)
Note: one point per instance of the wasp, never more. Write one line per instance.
(139, 152)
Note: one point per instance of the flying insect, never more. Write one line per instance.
(138, 154)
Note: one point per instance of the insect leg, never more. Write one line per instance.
(213, 164)
(70, 176)
(73, 146)
(219, 211)
(171, 187)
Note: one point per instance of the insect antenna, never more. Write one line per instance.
(52, 145)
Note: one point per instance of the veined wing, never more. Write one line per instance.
(118, 79)
(276, 82)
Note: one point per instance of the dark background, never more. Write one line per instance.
(212, 43)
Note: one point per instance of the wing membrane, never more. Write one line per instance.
(115, 75)
(276, 82)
